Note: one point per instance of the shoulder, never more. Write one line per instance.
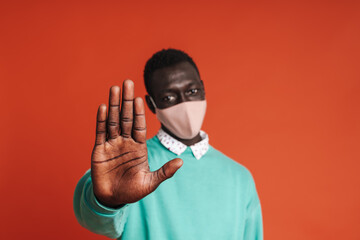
(229, 165)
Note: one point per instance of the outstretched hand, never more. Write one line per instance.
(119, 163)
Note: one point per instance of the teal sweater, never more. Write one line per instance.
(210, 198)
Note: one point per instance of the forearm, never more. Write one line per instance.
(93, 215)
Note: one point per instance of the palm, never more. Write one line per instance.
(122, 161)
(119, 163)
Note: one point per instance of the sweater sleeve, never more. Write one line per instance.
(93, 215)
(253, 222)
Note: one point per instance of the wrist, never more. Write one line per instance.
(109, 204)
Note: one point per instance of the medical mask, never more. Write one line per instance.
(184, 120)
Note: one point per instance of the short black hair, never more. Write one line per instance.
(165, 58)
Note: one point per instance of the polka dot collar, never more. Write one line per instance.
(177, 147)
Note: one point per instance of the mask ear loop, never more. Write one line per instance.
(152, 101)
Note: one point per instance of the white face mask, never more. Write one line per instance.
(184, 120)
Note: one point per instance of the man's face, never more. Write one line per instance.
(176, 84)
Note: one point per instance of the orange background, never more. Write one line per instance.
(282, 83)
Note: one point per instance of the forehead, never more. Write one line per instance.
(174, 76)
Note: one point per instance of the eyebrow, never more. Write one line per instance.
(171, 90)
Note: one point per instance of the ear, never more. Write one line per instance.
(202, 84)
(150, 104)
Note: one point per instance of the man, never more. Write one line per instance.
(209, 197)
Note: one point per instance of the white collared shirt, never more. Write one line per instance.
(177, 147)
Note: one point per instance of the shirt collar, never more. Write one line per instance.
(177, 147)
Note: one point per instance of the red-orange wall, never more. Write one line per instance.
(282, 83)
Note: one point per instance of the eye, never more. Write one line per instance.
(168, 98)
(193, 91)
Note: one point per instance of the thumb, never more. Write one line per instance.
(166, 172)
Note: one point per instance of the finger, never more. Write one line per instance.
(165, 172)
(126, 116)
(114, 112)
(101, 125)
(139, 128)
